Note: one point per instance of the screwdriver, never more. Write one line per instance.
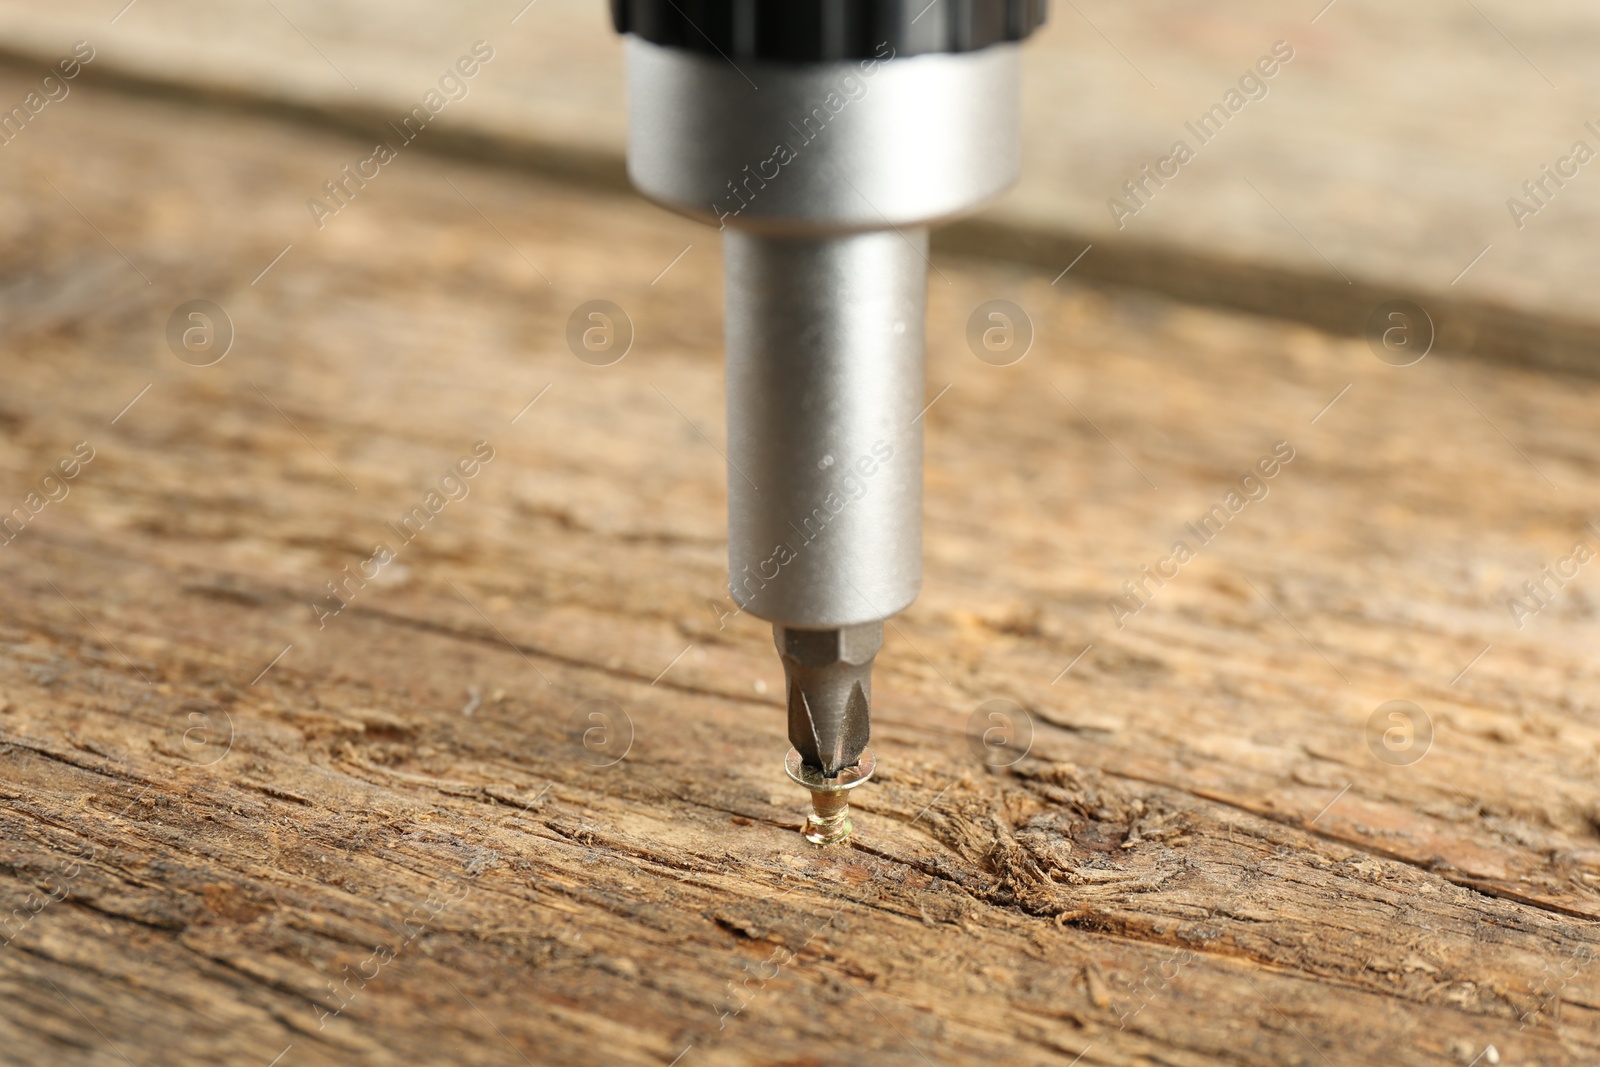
(824, 138)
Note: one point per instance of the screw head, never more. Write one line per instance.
(829, 821)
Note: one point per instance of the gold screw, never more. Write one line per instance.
(829, 821)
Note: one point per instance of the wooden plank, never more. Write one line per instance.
(383, 840)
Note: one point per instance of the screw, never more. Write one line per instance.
(829, 821)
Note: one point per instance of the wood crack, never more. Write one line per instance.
(1451, 874)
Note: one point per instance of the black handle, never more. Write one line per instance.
(809, 31)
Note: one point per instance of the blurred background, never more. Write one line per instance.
(1383, 153)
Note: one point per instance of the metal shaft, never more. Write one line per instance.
(825, 383)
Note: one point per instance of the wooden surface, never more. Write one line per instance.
(1389, 145)
(231, 836)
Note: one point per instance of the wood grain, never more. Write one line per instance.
(388, 844)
